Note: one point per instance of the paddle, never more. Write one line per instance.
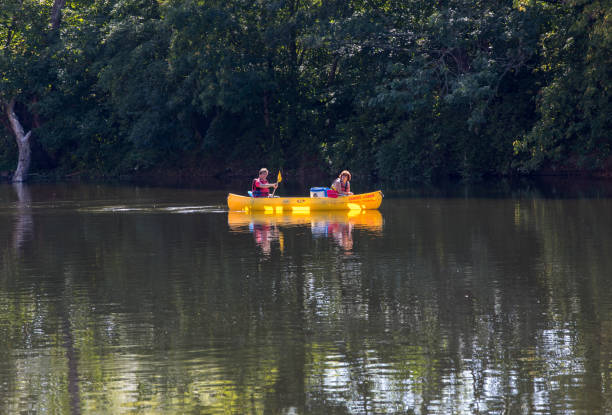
(279, 178)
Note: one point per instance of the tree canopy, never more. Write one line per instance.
(395, 90)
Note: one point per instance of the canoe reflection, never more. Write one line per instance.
(266, 228)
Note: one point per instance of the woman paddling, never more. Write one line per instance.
(342, 184)
(260, 186)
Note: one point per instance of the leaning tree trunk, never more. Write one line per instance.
(23, 144)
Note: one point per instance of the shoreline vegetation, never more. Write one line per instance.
(203, 177)
(394, 91)
(557, 185)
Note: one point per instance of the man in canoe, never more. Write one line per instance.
(342, 184)
(260, 186)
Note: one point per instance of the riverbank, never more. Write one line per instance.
(206, 177)
(545, 186)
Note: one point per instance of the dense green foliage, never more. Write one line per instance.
(394, 89)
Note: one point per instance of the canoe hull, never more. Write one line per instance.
(364, 201)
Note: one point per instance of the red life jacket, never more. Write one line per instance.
(259, 191)
(343, 187)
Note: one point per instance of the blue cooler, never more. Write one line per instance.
(318, 191)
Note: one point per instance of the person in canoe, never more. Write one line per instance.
(342, 185)
(260, 186)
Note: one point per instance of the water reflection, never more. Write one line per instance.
(338, 226)
(114, 303)
(24, 223)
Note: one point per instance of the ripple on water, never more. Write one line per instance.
(154, 209)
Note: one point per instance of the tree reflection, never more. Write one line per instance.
(71, 351)
(24, 224)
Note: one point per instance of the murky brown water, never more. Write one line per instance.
(125, 299)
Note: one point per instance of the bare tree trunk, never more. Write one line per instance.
(56, 13)
(23, 139)
(332, 71)
(266, 109)
(23, 144)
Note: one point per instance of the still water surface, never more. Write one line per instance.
(143, 300)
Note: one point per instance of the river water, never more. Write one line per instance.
(152, 300)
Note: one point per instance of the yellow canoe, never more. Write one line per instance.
(364, 201)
